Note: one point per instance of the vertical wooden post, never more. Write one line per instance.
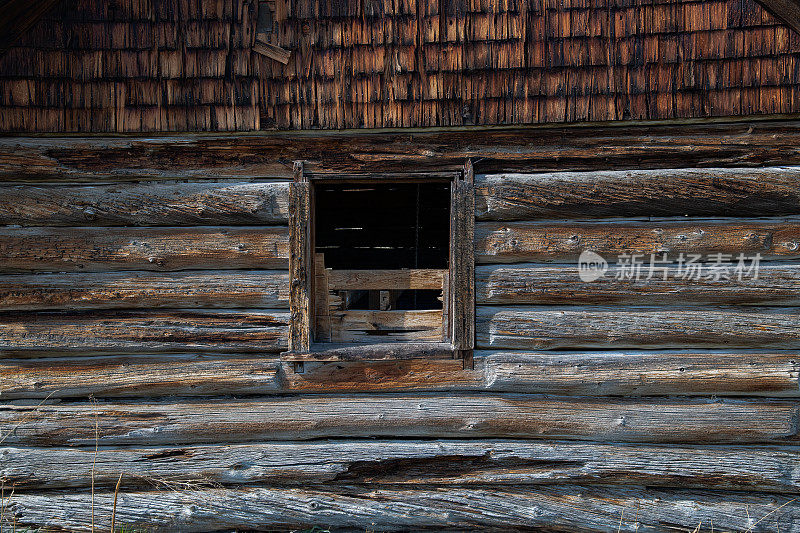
(464, 265)
(300, 262)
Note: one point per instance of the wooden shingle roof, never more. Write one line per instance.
(178, 65)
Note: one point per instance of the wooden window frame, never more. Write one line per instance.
(460, 277)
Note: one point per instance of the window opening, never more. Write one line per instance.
(382, 253)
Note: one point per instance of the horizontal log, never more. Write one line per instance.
(547, 328)
(705, 192)
(210, 420)
(421, 278)
(447, 463)
(145, 290)
(356, 325)
(569, 374)
(139, 376)
(374, 352)
(556, 241)
(776, 284)
(622, 146)
(145, 204)
(643, 373)
(143, 331)
(103, 249)
(563, 508)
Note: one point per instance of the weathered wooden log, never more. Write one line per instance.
(143, 331)
(146, 204)
(210, 420)
(146, 290)
(545, 328)
(706, 192)
(374, 352)
(555, 241)
(562, 508)
(569, 374)
(775, 284)
(530, 149)
(103, 249)
(643, 373)
(138, 376)
(408, 462)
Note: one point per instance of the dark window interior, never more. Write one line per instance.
(384, 226)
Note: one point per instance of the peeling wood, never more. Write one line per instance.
(695, 421)
(446, 463)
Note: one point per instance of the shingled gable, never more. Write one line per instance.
(787, 11)
(136, 65)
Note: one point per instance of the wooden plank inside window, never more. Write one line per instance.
(361, 325)
(420, 278)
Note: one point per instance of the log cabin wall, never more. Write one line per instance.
(189, 65)
(142, 316)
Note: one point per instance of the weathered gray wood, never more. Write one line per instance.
(407, 367)
(221, 420)
(555, 241)
(417, 278)
(143, 331)
(301, 264)
(464, 258)
(146, 204)
(147, 290)
(272, 51)
(563, 508)
(704, 192)
(543, 328)
(643, 373)
(622, 146)
(104, 249)
(447, 463)
(776, 284)
(322, 300)
(364, 326)
(139, 376)
(382, 351)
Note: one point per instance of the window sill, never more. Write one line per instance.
(373, 352)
